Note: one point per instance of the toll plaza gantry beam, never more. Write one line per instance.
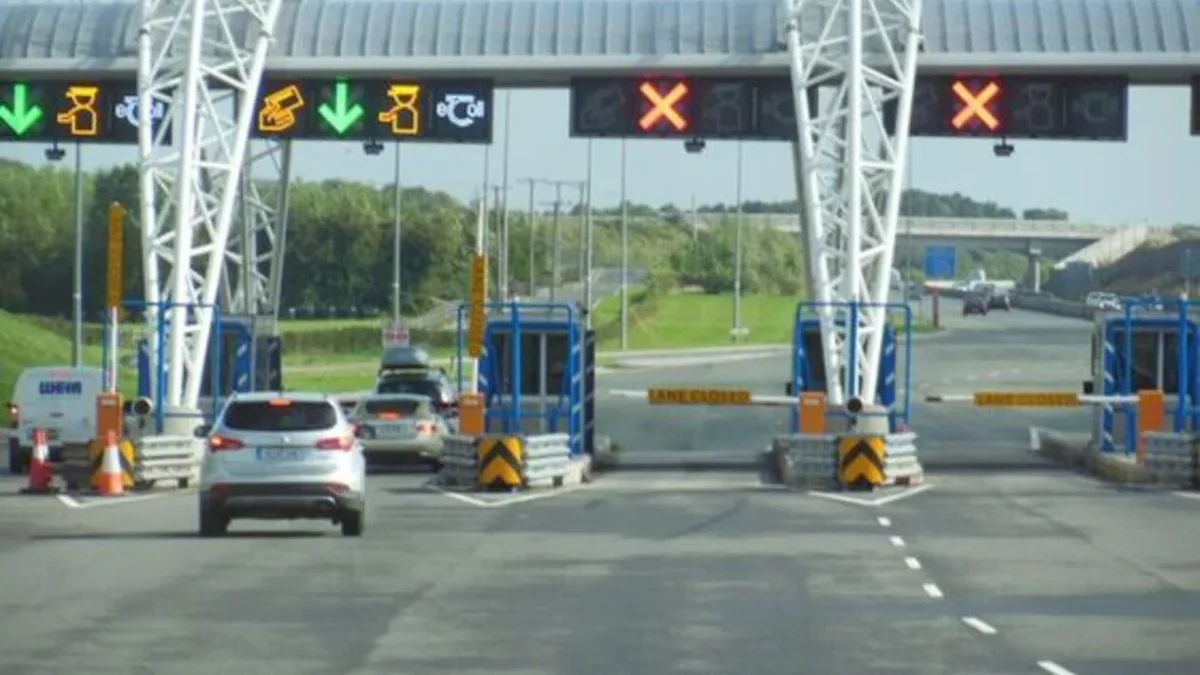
(995, 60)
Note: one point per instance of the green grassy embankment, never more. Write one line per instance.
(25, 344)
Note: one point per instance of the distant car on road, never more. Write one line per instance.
(273, 455)
(400, 427)
(999, 300)
(975, 304)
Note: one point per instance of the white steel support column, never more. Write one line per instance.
(193, 57)
(261, 219)
(863, 53)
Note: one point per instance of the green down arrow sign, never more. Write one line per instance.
(22, 115)
(343, 114)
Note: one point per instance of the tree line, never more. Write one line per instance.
(339, 244)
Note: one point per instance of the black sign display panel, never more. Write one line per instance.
(1058, 108)
(347, 109)
(687, 107)
(73, 111)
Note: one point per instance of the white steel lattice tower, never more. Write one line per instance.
(192, 64)
(861, 55)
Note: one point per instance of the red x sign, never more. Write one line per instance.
(664, 103)
(976, 105)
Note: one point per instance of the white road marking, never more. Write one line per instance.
(866, 501)
(971, 377)
(994, 373)
(73, 503)
(488, 504)
(979, 625)
(1187, 495)
(896, 541)
(885, 522)
(913, 563)
(1053, 668)
(933, 591)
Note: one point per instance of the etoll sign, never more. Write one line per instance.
(395, 335)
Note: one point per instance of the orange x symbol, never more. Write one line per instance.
(975, 105)
(663, 106)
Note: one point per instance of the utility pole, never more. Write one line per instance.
(532, 236)
(581, 188)
(556, 234)
(737, 253)
(498, 217)
(624, 254)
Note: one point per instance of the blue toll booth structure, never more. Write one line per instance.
(244, 355)
(1135, 350)
(536, 372)
(808, 361)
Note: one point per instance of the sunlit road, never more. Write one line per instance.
(1005, 563)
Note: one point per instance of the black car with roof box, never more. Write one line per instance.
(409, 370)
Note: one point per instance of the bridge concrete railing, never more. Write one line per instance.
(969, 228)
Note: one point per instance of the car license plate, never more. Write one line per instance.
(282, 454)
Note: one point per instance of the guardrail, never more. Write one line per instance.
(900, 465)
(460, 461)
(946, 227)
(159, 458)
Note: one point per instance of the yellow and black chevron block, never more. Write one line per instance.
(860, 461)
(500, 460)
(96, 457)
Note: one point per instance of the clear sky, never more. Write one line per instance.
(1152, 177)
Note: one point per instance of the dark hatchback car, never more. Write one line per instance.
(975, 304)
(999, 300)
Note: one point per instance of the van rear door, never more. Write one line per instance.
(60, 400)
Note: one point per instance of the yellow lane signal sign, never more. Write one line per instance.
(1028, 399)
(660, 396)
(404, 115)
(279, 108)
(82, 119)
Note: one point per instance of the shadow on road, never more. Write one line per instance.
(134, 536)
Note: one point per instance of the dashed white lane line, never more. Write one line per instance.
(979, 625)
(933, 591)
(1053, 668)
(885, 522)
(913, 563)
(896, 541)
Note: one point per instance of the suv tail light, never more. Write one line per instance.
(425, 428)
(218, 443)
(341, 443)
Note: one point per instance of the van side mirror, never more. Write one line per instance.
(202, 431)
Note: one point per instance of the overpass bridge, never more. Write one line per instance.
(851, 66)
(1053, 238)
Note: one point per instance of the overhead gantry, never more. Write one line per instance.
(850, 169)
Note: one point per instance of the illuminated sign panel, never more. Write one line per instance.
(1060, 108)
(82, 111)
(355, 110)
(664, 107)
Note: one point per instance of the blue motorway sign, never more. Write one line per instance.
(939, 262)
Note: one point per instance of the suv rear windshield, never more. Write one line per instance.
(403, 407)
(280, 416)
(422, 387)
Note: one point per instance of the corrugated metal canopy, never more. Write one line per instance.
(583, 35)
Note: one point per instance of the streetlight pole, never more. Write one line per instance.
(77, 291)
(624, 253)
(532, 241)
(737, 253)
(504, 213)
(556, 233)
(397, 234)
(587, 241)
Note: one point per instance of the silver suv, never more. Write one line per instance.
(282, 456)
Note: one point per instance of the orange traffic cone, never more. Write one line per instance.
(41, 475)
(112, 480)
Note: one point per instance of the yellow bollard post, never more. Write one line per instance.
(812, 412)
(1151, 416)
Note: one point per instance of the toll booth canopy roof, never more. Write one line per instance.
(405, 358)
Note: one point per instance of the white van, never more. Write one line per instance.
(59, 399)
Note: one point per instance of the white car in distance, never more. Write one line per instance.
(396, 428)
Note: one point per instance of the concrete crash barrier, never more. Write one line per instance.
(1171, 458)
(802, 460)
(900, 465)
(512, 462)
(1077, 452)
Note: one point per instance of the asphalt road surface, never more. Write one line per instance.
(1016, 568)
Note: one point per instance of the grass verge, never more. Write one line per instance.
(25, 345)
